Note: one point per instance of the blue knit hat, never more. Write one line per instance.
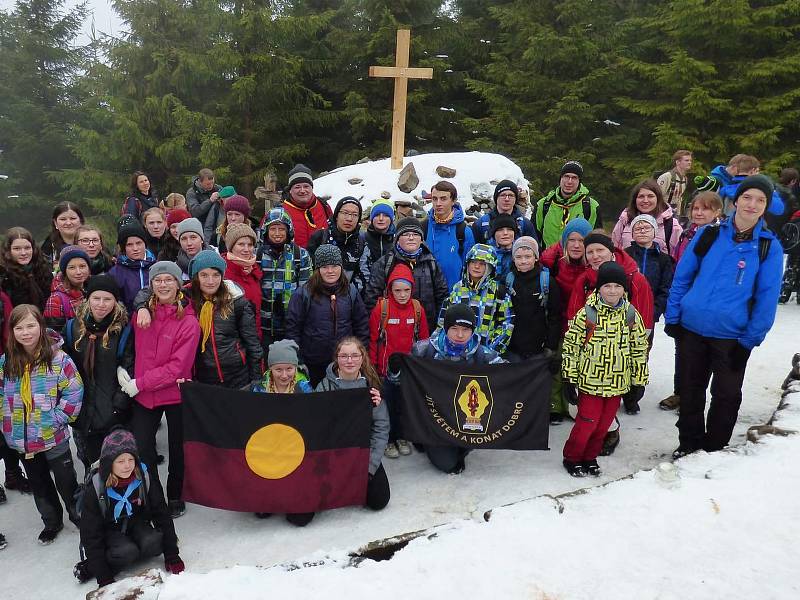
(579, 225)
(382, 207)
(206, 259)
(68, 253)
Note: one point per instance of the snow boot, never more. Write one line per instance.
(49, 534)
(391, 450)
(680, 452)
(3, 542)
(300, 519)
(592, 468)
(403, 447)
(556, 418)
(611, 441)
(16, 480)
(794, 374)
(81, 571)
(177, 508)
(575, 469)
(670, 402)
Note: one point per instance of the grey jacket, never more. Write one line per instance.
(209, 213)
(380, 415)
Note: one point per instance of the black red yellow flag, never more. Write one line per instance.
(448, 403)
(281, 453)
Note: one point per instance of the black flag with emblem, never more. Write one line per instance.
(503, 406)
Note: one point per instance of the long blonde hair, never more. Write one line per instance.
(117, 323)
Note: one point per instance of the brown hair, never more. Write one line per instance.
(367, 370)
(222, 298)
(316, 287)
(135, 179)
(55, 236)
(172, 199)
(744, 163)
(41, 270)
(152, 211)
(651, 185)
(204, 174)
(103, 251)
(17, 358)
(710, 200)
(446, 186)
(788, 175)
(679, 155)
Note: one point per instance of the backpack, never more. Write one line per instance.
(460, 229)
(544, 285)
(586, 202)
(591, 319)
(125, 206)
(93, 480)
(123, 337)
(668, 233)
(710, 235)
(384, 303)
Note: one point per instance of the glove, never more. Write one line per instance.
(105, 581)
(122, 376)
(636, 393)
(554, 366)
(674, 330)
(174, 564)
(738, 357)
(570, 392)
(130, 388)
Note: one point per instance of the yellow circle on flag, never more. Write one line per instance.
(275, 451)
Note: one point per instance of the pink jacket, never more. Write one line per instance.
(622, 235)
(165, 352)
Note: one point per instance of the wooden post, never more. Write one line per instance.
(401, 73)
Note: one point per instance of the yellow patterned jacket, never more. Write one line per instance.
(612, 358)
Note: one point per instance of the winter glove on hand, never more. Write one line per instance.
(103, 582)
(122, 376)
(674, 330)
(636, 393)
(738, 357)
(570, 392)
(174, 564)
(130, 388)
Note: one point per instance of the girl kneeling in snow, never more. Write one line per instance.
(124, 517)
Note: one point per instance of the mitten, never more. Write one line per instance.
(122, 376)
(174, 564)
(570, 392)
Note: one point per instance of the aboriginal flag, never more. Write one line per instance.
(281, 453)
(449, 403)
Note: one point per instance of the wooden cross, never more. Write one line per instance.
(401, 73)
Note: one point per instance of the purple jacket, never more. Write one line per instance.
(131, 276)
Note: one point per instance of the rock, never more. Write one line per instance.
(412, 152)
(481, 192)
(494, 182)
(323, 174)
(354, 180)
(361, 161)
(445, 172)
(386, 195)
(408, 181)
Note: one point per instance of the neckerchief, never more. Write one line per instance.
(206, 322)
(123, 501)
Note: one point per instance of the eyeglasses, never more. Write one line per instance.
(506, 195)
(348, 214)
(165, 281)
(356, 356)
(642, 229)
(89, 241)
(410, 235)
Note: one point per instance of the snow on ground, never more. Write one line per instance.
(377, 176)
(621, 542)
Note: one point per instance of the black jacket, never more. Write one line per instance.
(658, 268)
(104, 403)
(233, 352)
(150, 508)
(27, 289)
(539, 328)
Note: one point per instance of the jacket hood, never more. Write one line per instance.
(485, 253)
(233, 288)
(400, 271)
(149, 260)
(277, 215)
(341, 203)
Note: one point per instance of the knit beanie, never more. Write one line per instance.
(408, 224)
(68, 253)
(501, 221)
(102, 283)
(125, 220)
(528, 242)
(190, 225)
(574, 167)
(576, 225)
(227, 192)
(300, 174)
(327, 254)
(132, 229)
(611, 272)
(344, 202)
(598, 238)
(118, 441)
(459, 314)
(382, 207)
(283, 352)
(238, 203)
(165, 267)
(206, 259)
(649, 219)
(758, 182)
(236, 231)
(504, 186)
(177, 215)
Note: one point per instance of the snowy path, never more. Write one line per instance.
(421, 497)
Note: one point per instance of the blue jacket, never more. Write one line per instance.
(711, 296)
(443, 244)
(728, 191)
(658, 268)
(480, 228)
(504, 261)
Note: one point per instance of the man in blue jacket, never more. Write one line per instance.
(721, 305)
(446, 233)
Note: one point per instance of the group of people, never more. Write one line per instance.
(96, 344)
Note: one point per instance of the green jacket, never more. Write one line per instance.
(612, 358)
(561, 211)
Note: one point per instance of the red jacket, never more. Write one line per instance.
(320, 211)
(566, 273)
(399, 332)
(250, 284)
(640, 294)
(165, 352)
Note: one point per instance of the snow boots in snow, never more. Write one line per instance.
(670, 402)
(575, 469)
(592, 468)
(81, 571)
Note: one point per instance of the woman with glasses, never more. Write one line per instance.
(89, 239)
(325, 310)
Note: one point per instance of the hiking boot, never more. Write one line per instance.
(391, 451)
(177, 508)
(575, 469)
(556, 418)
(3, 498)
(680, 452)
(81, 571)
(403, 447)
(632, 408)
(670, 402)
(3, 543)
(49, 534)
(592, 468)
(15, 480)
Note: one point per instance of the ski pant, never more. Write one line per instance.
(123, 549)
(58, 462)
(447, 459)
(378, 495)
(393, 396)
(676, 378)
(144, 425)
(595, 415)
(88, 445)
(702, 357)
(10, 457)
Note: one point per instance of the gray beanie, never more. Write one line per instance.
(188, 225)
(327, 254)
(525, 241)
(649, 219)
(166, 267)
(283, 352)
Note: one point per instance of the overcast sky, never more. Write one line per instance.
(105, 19)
